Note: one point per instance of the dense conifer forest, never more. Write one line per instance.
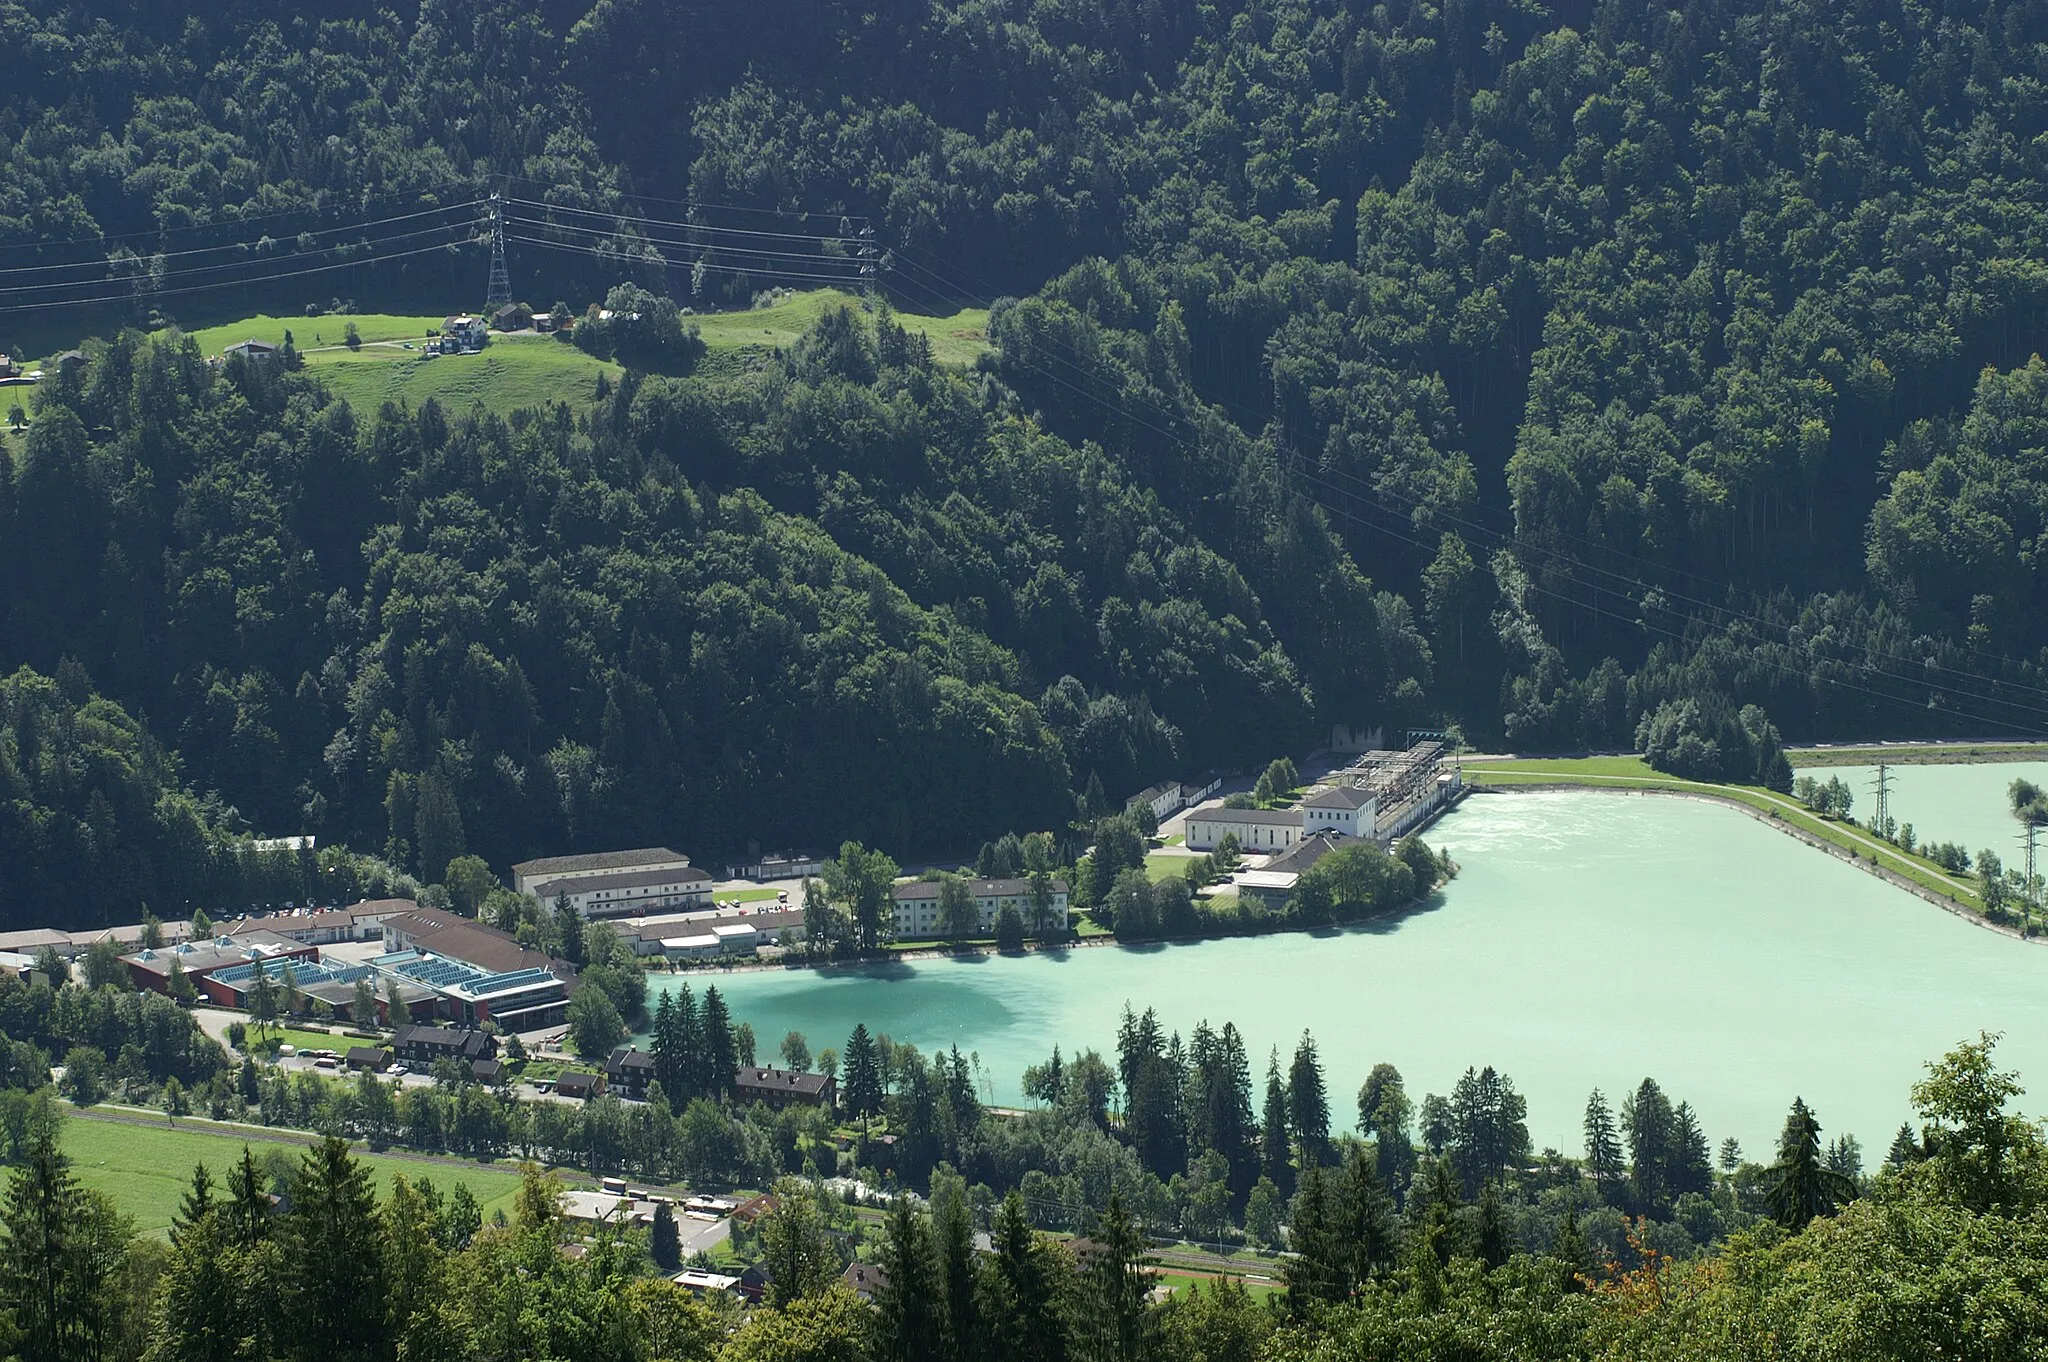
(1526, 369)
(1562, 376)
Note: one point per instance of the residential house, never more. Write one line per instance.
(917, 905)
(754, 1283)
(629, 1072)
(865, 1280)
(701, 1283)
(576, 1084)
(1198, 788)
(1259, 831)
(527, 875)
(464, 335)
(420, 1046)
(8, 368)
(255, 351)
(748, 1213)
(1164, 799)
(784, 1088)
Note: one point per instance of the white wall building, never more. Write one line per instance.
(1343, 809)
(917, 905)
(527, 876)
(1259, 831)
(628, 892)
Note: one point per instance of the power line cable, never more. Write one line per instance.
(685, 225)
(131, 297)
(142, 279)
(765, 271)
(591, 238)
(106, 262)
(106, 238)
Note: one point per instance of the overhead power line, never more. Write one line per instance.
(254, 282)
(106, 262)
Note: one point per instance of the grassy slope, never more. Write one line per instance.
(146, 1169)
(1634, 773)
(310, 333)
(957, 339)
(512, 372)
(524, 371)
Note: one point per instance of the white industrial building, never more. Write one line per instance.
(1258, 831)
(527, 876)
(917, 904)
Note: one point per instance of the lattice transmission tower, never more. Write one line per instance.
(499, 294)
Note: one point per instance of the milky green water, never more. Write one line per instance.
(1589, 940)
(1962, 802)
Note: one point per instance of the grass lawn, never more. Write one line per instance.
(512, 372)
(146, 1169)
(1160, 866)
(1635, 773)
(311, 332)
(745, 895)
(1181, 1281)
(312, 1040)
(956, 340)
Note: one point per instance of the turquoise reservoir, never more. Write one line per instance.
(1589, 940)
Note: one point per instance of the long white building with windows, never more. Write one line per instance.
(917, 905)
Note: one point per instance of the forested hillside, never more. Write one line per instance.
(1515, 367)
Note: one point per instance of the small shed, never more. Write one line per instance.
(368, 1059)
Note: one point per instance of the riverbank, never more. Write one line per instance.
(1916, 753)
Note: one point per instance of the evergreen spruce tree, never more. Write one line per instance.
(196, 1203)
(691, 1065)
(1603, 1148)
(1118, 1279)
(248, 1208)
(721, 1057)
(1274, 1144)
(1905, 1147)
(664, 1244)
(1032, 1325)
(668, 1058)
(863, 1073)
(953, 1235)
(1804, 1188)
(333, 1260)
(911, 1305)
(1569, 1250)
(1494, 1241)
(1308, 1104)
